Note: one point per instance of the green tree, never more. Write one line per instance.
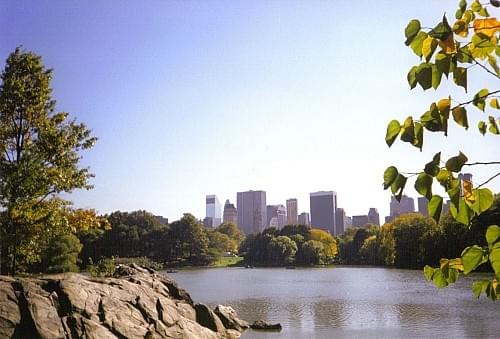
(232, 231)
(188, 240)
(281, 250)
(62, 253)
(313, 253)
(451, 50)
(40, 154)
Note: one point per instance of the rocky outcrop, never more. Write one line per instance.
(136, 303)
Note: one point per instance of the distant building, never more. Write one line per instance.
(230, 213)
(208, 222)
(323, 208)
(276, 216)
(422, 206)
(373, 216)
(303, 219)
(360, 220)
(446, 207)
(347, 222)
(161, 219)
(406, 205)
(251, 211)
(339, 221)
(291, 211)
(213, 210)
(465, 176)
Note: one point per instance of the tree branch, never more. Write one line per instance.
(483, 163)
(479, 98)
(487, 181)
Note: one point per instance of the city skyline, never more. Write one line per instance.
(182, 96)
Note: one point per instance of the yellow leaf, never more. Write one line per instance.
(461, 28)
(448, 45)
(444, 106)
(468, 195)
(487, 26)
(494, 103)
(428, 47)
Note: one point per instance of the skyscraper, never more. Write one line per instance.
(291, 211)
(422, 206)
(360, 220)
(251, 211)
(276, 216)
(212, 211)
(323, 208)
(230, 213)
(373, 216)
(303, 219)
(406, 205)
(339, 221)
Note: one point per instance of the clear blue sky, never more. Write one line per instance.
(190, 98)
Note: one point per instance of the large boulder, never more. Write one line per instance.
(230, 319)
(136, 303)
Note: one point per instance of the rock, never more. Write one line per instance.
(136, 303)
(262, 325)
(230, 319)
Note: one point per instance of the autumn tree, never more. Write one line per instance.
(40, 157)
(449, 51)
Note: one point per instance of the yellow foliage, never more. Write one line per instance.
(487, 26)
(328, 241)
(468, 195)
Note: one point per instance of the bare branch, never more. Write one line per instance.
(487, 181)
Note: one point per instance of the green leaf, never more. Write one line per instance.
(432, 168)
(493, 128)
(398, 185)
(444, 177)
(495, 259)
(463, 213)
(458, 14)
(428, 47)
(423, 185)
(482, 127)
(419, 136)
(428, 272)
(492, 235)
(455, 164)
(392, 133)
(494, 103)
(435, 207)
(460, 116)
(436, 77)
(454, 194)
(476, 6)
(443, 63)
(483, 12)
(390, 174)
(493, 63)
(432, 119)
(411, 30)
(441, 31)
(483, 200)
(462, 5)
(479, 98)
(439, 279)
(460, 77)
(452, 275)
(472, 257)
(412, 77)
(464, 56)
(479, 287)
(417, 43)
(424, 75)
(408, 130)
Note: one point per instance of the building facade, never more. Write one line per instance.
(213, 211)
(276, 216)
(230, 213)
(360, 220)
(373, 216)
(340, 221)
(323, 208)
(406, 205)
(303, 219)
(291, 212)
(422, 206)
(251, 211)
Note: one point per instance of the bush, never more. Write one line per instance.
(105, 267)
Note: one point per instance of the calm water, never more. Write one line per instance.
(346, 302)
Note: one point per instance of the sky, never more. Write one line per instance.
(190, 98)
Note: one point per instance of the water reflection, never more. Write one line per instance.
(345, 302)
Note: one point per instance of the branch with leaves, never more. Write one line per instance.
(450, 51)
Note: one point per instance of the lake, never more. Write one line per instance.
(345, 302)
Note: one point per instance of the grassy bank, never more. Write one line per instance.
(227, 261)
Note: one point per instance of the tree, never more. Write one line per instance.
(452, 50)
(313, 253)
(62, 254)
(281, 250)
(188, 240)
(39, 156)
(232, 231)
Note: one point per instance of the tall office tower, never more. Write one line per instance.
(276, 216)
(213, 211)
(406, 205)
(422, 206)
(291, 211)
(339, 221)
(230, 213)
(373, 216)
(251, 211)
(303, 219)
(360, 220)
(323, 207)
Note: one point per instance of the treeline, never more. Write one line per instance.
(413, 241)
(291, 245)
(141, 234)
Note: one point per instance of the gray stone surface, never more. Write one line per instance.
(136, 303)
